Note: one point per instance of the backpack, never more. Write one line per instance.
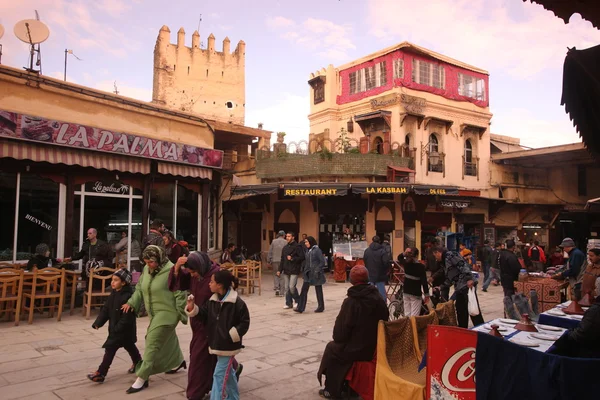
(185, 247)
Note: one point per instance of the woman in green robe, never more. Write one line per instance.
(165, 310)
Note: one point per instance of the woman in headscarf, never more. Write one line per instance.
(195, 278)
(165, 309)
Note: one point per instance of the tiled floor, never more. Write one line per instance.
(50, 360)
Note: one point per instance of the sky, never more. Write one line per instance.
(521, 45)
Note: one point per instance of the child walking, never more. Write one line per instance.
(227, 320)
(121, 325)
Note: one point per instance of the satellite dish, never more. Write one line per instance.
(31, 31)
(1, 31)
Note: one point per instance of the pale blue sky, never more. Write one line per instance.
(520, 44)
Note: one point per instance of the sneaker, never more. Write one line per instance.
(96, 377)
(286, 307)
(277, 293)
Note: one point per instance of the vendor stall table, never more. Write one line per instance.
(563, 321)
(548, 290)
(512, 333)
(341, 265)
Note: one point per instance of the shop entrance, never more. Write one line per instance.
(250, 230)
(113, 213)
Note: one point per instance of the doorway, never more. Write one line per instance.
(251, 232)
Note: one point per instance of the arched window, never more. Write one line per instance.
(378, 145)
(407, 140)
(468, 151)
(433, 144)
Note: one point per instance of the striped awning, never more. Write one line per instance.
(64, 155)
(188, 171)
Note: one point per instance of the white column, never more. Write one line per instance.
(16, 227)
(62, 211)
(198, 223)
(129, 222)
(81, 221)
(175, 211)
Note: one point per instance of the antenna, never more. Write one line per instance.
(199, 21)
(116, 91)
(33, 32)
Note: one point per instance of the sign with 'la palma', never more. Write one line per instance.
(113, 188)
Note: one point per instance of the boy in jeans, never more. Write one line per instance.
(121, 326)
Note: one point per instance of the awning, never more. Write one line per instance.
(380, 188)
(563, 9)
(381, 114)
(581, 94)
(254, 190)
(187, 171)
(315, 189)
(64, 155)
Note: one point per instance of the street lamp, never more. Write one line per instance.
(434, 156)
(67, 52)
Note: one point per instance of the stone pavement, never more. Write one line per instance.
(50, 360)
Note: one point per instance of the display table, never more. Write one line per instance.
(341, 266)
(548, 290)
(562, 321)
(512, 333)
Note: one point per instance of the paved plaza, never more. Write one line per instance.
(50, 360)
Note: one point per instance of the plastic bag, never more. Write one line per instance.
(473, 306)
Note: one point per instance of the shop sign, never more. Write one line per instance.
(412, 104)
(384, 101)
(310, 192)
(38, 222)
(113, 188)
(451, 363)
(455, 203)
(40, 130)
(436, 191)
(380, 189)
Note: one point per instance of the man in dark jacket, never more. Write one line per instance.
(377, 261)
(354, 332)
(155, 236)
(509, 265)
(95, 253)
(290, 266)
(486, 263)
(573, 266)
(458, 274)
(582, 342)
(121, 325)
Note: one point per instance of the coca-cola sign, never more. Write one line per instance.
(41, 130)
(450, 363)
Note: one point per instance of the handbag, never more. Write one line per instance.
(473, 306)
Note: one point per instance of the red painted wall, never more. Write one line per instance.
(449, 92)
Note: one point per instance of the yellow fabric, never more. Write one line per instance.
(397, 375)
(419, 325)
(446, 313)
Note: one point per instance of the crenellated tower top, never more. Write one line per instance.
(200, 80)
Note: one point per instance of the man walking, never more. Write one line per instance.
(378, 261)
(486, 263)
(275, 254)
(573, 267)
(509, 268)
(458, 274)
(290, 266)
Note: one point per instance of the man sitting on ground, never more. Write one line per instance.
(354, 332)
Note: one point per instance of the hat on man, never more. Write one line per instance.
(359, 274)
(125, 275)
(281, 233)
(567, 242)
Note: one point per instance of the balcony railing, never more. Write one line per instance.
(471, 168)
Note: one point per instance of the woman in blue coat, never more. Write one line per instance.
(313, 274)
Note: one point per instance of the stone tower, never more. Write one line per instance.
(206, 82)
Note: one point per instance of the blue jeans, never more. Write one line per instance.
(291, 292)
(224, 365)
(381, 287)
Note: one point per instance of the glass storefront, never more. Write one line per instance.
(34, 200)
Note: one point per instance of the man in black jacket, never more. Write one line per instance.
(582, 342)
(95, 253)
(509, 265)
(290, 266)
(378, 262)
(354, 332)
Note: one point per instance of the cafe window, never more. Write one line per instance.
(162, 204)
(37, 215)
(177, 206)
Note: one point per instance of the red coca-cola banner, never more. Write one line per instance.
(450, 363)
(40, 130)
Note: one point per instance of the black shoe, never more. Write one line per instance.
(238, 371)
(277, 293)
(485, 290)
(319, 310)
(96, 377)
(298, 311)
(325, 393)
(174, 371)
(132, 369)
(134, 390)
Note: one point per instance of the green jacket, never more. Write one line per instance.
(163, 306)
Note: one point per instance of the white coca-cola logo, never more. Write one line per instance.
(453, 374)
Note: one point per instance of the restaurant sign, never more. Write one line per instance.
(315, 189)
(455, 203)
(113, 188)
(451, 363)
(384, 101)
(436, 190)
(40, 130)
(380, 189)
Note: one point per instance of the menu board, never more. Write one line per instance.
(349, 249)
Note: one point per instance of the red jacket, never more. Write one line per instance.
(542, 254)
